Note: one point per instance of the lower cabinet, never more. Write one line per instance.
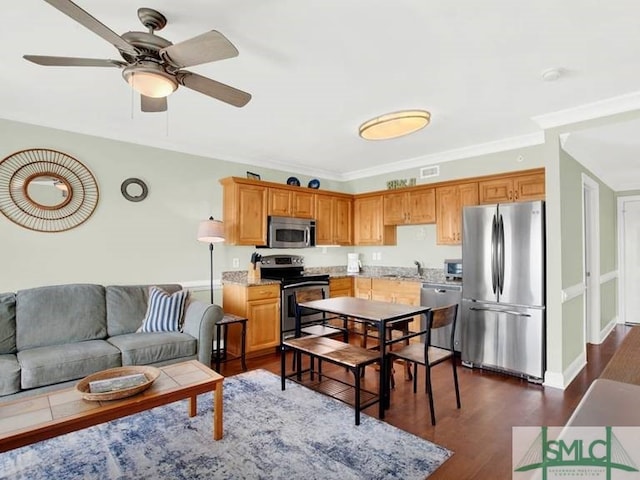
(340, 287)
(389, 290)
(260, 304)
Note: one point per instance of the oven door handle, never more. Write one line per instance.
(317, 283)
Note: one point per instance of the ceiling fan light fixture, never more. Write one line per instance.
(393, 125)
(150, 80)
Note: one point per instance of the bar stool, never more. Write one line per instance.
(222, 327)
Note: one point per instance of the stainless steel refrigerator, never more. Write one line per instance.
(503, 288)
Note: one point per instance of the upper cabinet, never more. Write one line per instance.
(245, 212)
(369, 227)
(289, 203)
(450, 200)
(334, 219)
(513, 188)
(369, 218)
(413, 207)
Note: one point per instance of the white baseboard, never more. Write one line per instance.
(604, 333)
(562, 380)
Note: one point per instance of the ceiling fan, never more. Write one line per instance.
(153, 65)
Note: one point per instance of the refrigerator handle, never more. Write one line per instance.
(494, 231)
(497, 310)
(501, 255)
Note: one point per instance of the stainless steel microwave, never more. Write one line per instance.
(288, 232)
(453, 268)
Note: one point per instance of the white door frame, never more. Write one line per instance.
(621, 258)
(591, 214)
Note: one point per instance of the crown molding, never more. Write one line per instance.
(477, 150)
(589, 111)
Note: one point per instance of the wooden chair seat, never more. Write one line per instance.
(321, 330)
(415, 353)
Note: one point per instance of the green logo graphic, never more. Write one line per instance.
(606, 453)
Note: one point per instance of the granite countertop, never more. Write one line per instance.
(429, 275)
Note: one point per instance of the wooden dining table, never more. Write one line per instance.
(380, 314)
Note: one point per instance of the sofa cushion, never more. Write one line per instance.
(127, 306)
(7, 323)
(9, 374)
(60, 314)
(149, 348)
(60, 363)
(165, 311)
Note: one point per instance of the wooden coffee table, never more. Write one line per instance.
(32, 419)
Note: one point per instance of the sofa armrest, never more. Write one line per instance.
(199, 321)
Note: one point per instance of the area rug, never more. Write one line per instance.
(268, 434)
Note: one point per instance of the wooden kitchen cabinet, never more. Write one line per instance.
(244, 212)
(334, 220)
(398, 291)
(362, 287)
(450, 200)
(260, 304)
(369, 227)
(289, 203)
(410, 207)
(516, 188)
(340, 286)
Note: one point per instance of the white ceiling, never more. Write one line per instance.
(317, 69)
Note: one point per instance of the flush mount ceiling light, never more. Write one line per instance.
(150, 79)
(393, 125)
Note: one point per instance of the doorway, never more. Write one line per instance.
(591, 258)
(629, 259)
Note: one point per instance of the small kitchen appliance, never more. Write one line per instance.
(353, 263)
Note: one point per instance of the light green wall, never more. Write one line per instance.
(571, 211)
(125, 242)
(608, 302)
(572, 330)
(571, 173)
(501, 162)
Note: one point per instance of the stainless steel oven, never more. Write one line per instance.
(289, 269)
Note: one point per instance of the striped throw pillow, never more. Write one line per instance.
(164, 312)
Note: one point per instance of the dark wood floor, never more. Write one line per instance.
(492, 403)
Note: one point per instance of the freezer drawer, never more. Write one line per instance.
(439, 295)
(504, 337)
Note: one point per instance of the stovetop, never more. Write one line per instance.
(289, 269)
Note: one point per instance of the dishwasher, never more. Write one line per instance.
(439, 295)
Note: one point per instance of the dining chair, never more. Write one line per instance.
(428, 355)
(318, 326)
(401, 328)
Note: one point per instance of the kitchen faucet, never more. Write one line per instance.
(417, 264)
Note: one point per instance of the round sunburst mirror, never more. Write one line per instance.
(46, 190)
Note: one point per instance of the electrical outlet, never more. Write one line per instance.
(236, 263)
(379, 255)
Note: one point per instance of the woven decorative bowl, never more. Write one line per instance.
(152, 373)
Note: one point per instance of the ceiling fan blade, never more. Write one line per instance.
(85, 19)
(214, 89)
(150, 104)
(205, 48)
(48, 61)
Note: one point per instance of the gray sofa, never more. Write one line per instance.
(55, 334)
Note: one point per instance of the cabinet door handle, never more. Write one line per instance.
(516, 195)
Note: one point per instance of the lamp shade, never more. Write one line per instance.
(211, 231)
